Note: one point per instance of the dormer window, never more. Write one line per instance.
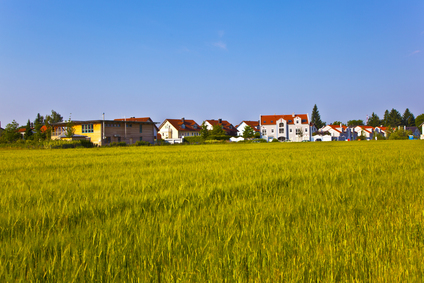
(183, 126)
(290, 121)
(195, 126)
(303, 120)
(281, 125)
(272, 121)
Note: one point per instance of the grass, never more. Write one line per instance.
(329, 212)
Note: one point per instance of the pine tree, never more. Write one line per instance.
(395, 119)
(408, 118)
(374, 121)
(28, 131)
(315, 118)
(386, 118)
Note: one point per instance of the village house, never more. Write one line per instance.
(367, 131)
(294, 127)
(174, 130)
(104, 132)
(336, 132)
(228, 128)
(381, 130)
(253, 124)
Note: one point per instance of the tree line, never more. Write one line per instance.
(391, 119)
(33, 131)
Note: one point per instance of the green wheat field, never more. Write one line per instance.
(276, 212)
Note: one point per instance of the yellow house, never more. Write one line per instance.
(104, 132)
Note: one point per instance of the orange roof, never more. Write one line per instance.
(272, 119)
(189, 125)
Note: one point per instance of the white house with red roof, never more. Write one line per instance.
(367, 131)
(294, 127)
(226, 126)
(381, 130)
(174, 130)
(253, 124)
(338, 132)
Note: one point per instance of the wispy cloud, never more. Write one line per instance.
(415, 52)
(221, 45)
(221, 33)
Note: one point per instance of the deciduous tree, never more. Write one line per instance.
(10, 133)
(418, 121)
(248, 132)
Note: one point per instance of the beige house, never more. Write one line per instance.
(174, 130)
(104, 132)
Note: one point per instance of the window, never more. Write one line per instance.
(303, 120)
(272, 131)
(141, 128)
(272, 121)
(290, 121)
(87, 128)
(281, 131)
(306, 130)
(297, 121)
(108, 139)
(281, 125)
(298, 131)
(129, 125)
(141, 138)
(291, 130)
(119, 139)
(264, 132)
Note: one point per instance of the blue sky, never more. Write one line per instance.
(205, 59)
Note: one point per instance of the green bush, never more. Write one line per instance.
(274, 140)
(142, 143)
(219, 137)
(400, 134)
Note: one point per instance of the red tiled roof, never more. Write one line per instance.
(190, 125)
(226, 126)
(266, 119)
(42, 129)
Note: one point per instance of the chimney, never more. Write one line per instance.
(103, 116)
(183, 119)
(293, 115)
(220, 121)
